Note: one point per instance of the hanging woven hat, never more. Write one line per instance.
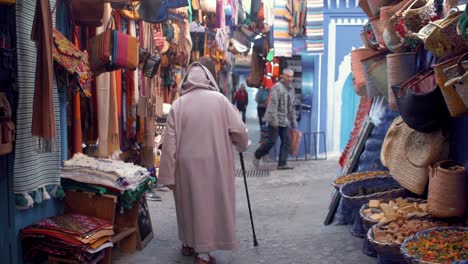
(422, 149)
(153, 11)
(388, 145)
(403, 169)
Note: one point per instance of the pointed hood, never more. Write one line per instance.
(197, 77)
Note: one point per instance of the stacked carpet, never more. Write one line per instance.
(71, 236)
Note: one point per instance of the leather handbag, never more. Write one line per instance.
(87, 12)
(7, 126)
(7, 2)
(112, 50)
(73, 60)
(422, 104)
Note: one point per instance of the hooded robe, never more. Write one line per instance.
(198, 158)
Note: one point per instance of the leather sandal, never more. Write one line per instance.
(202, 261)
(187, 251)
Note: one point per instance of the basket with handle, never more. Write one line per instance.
(357, 69)
(401, 67)
(447, 194)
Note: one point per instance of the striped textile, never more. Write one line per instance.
(282, 43)
(31, 170)
(314, 26)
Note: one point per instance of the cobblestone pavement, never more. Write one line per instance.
(288, 209)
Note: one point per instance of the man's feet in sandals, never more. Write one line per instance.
(199, 260)
(187, 251)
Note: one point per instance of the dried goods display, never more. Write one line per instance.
(401, 207)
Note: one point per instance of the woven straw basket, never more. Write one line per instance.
(378, 33)
(447, 194)
(371, 84)
(401, 67)
(454, 102)
(378, 76)
(357, 69)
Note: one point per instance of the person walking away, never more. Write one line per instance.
(241, 99)
(261, 98)
(280, 116)
(197, 163)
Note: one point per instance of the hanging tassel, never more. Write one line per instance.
(45, 194)
(24, 201)
(57, 192)
(37, 196)
(20, 200)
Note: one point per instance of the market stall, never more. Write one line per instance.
(399, 186)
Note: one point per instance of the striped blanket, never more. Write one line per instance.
(314, 26)
(282, 39)
(33, 172)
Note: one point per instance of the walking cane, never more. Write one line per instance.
(255, 243)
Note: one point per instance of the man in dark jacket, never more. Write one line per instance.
(280, 116)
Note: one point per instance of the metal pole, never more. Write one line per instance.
(255, 243)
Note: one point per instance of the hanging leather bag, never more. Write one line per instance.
(87, 12)
(421, 103)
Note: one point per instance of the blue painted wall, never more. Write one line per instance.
(349, 107)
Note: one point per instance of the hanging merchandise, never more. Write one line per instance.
(408, 152)
(421, 103)
(153, 11)
(268, 81)
(446, 195)
(130, 10)
(87, 12)
(7, 126)
(255, 77)
(177, 3)
(208, 6)
(401, 67)
(73, 60)
(296, 13)
(168, 30)
(452, 98)
(7, 2)
(441, 37)
(112, 50)
(282, 39)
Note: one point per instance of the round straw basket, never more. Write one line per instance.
(375, 5)
(342, 180)
(400, 67)
(415, 259)
(360, 192)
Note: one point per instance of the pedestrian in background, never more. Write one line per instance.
(280, 116)
(241, 99)
(197, 163)
(262, 99)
